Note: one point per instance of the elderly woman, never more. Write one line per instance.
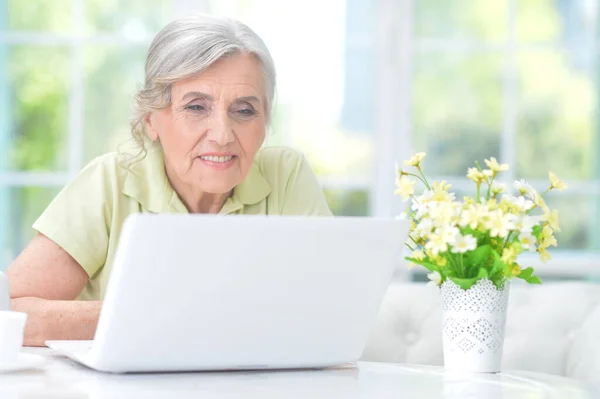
(200, 123)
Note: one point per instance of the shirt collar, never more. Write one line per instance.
(147, 183)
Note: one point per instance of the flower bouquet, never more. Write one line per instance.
(471, 248)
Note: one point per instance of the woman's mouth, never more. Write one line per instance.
(218, 162)
(217, 159)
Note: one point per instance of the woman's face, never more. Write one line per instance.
(214, 125)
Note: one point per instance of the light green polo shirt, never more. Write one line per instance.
(86, 217)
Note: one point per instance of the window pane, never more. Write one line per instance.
(348, 202)
(572, 22)
(112, 75)
(34, 101)
(39, 15)
(457, 110)
(461, 19)
(131, 18)
(557, 113)
(19, 208)
(325, 103)
(579, 216)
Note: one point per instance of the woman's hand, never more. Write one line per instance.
(44, 280)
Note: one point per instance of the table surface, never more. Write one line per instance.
(62, 378)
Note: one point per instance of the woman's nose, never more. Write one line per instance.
(221, 131)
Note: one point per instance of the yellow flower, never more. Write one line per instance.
(436, 244)
(430, 254)
(515, 269)
(441, 213)
(547, 242)
(418, 255)
(441, 186)
(509, 255)
(495, 166)
(475, 175)
(441, 196)
(552, 219)
(492, 204)
(498, 188)
(468, 201)
(399, 171)
(441, 262)
(544, 255)
(406, 187)
(540, 202)
(469, 217)
(547, 232)
(556, 183)
(415, 160)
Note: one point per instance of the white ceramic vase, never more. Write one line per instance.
(473, 323)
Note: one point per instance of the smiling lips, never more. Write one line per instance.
(218, 161)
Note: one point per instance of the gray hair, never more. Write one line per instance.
(188, 46)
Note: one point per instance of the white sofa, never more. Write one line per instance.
(551, 328)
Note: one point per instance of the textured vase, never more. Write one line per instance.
(473, 323)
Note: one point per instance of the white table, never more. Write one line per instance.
(64, 379)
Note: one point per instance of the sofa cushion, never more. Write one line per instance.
(550, 328)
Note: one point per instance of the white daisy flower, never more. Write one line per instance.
(528, 241)
(498, 188)
(525, 224)
(499, 224)
(463, 244)
(523, 188)
(435, 278)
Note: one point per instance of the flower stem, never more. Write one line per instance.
(487, 197)
(413, 240)
(418, 177)
(424, 178)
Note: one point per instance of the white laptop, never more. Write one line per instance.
(210, 292)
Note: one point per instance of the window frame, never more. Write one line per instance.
(395, 49)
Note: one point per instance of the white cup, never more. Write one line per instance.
(12, 328)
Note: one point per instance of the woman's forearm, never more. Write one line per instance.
(57, 320)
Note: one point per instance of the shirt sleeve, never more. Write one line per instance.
(304, 195)
(78, 218)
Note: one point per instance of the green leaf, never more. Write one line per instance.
(537, 231)
(429, 266)
(466, 283)
(479, 256)
(527, 275)
(499, 265)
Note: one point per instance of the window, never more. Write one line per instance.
(517, 80)
(361, 84)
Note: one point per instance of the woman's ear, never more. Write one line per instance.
(150, 126)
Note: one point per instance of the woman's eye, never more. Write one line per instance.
(195, 107)
(246, 111)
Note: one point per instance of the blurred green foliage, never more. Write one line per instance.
(459, 97)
